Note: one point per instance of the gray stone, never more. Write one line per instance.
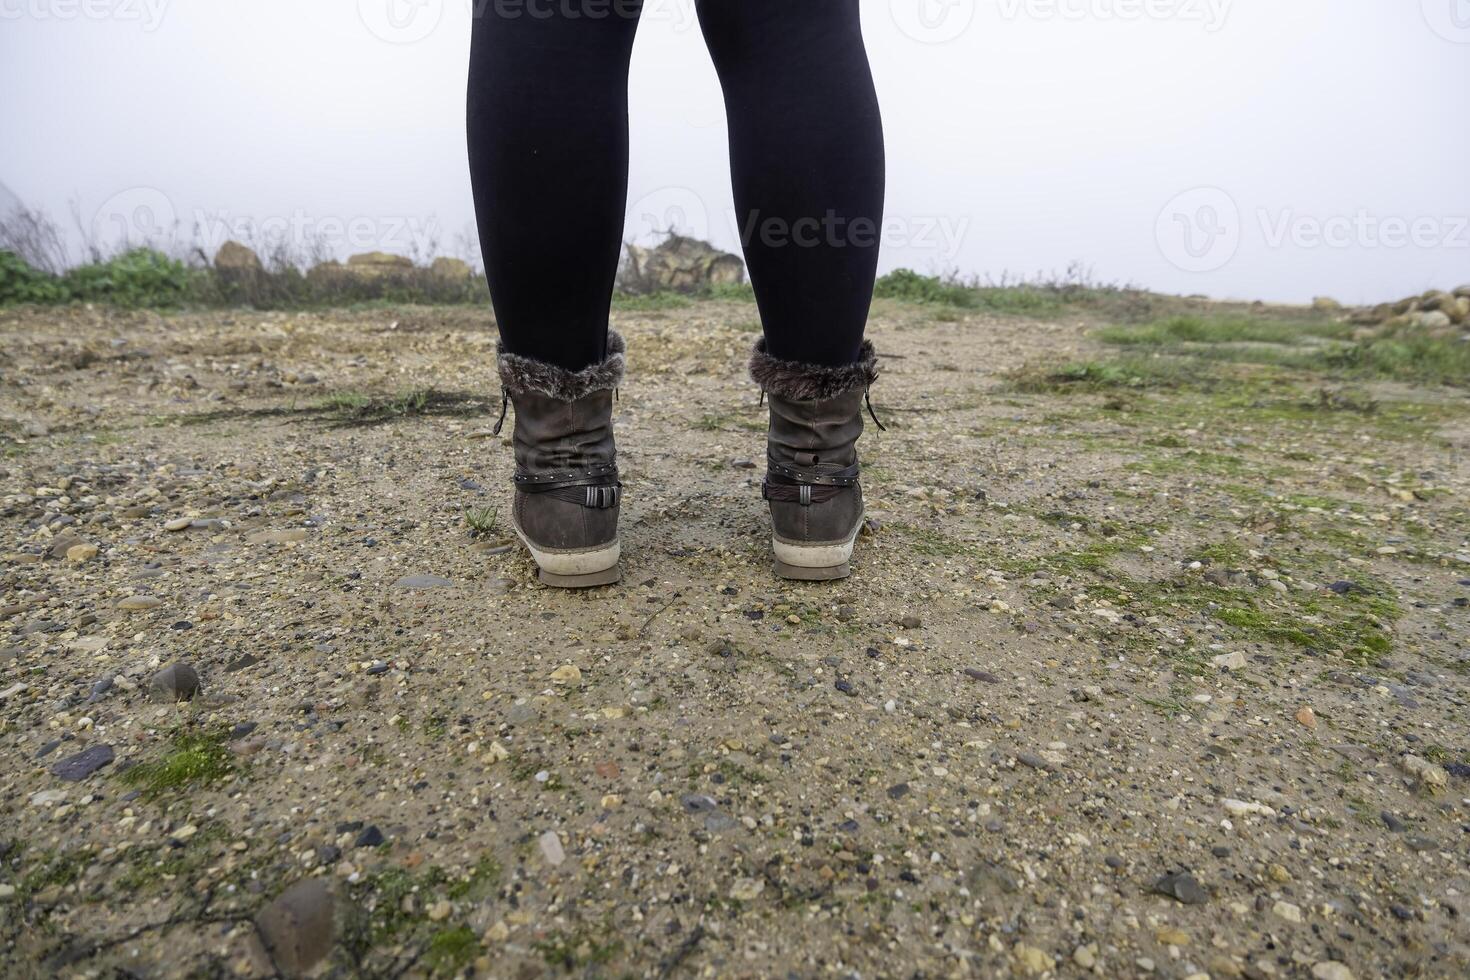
(1182, 886)
(176, 682)
(75, 768)
(423, 582)
(299, 927)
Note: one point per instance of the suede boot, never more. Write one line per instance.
(811, 460)
(567, 493)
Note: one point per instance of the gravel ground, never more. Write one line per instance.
(1133, 682)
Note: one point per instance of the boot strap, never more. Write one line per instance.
(790, 484)
(601, 474)
(595, 495)
(597, 487)
(796, 476)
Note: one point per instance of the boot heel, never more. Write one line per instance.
(801, 573)
(589, 581)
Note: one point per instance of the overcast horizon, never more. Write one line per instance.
(1236, 148)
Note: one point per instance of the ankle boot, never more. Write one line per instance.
(811, 460)
(567, 493)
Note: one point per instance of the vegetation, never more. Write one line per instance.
(195, 759)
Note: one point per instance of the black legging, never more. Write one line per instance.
(548, 140)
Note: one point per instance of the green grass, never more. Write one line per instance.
(483, 522)
(194, 760)
(1177, 330)
(1185, 348)
(451, 950)
(650, 302)
(479, 883)
(357, 406)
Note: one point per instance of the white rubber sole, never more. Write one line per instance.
(814, 562)
(575, 569)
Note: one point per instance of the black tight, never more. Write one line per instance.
(548, 140)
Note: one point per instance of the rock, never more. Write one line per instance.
(568, 674)
(424, 582)
(1182, 886)
(1032, 960)
(299, 927)
(1433, 320)
(75, 768)
(551, 848)
(1331, 970)
(178, 524)
(1036, 761)
(1230, 661)
(79, 554)
(1425, 773)
(1306, 717)
(1244, 808)
(176, 682)
(139, 603)
(679, 265)
(1288, 911)
(378, 264)
(1463, 292)
(237, 261)
(1326, 304)
(370, 837)
(448, 270)
(983, 676)
(747, 889)
(1085, 956)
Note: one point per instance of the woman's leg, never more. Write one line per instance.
(806, 153)
(548, 141)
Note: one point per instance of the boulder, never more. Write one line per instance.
(235, 258)
(1463, 291)
(176, 682)
(1432, 320)
(445, 269)
(379, 264)
(298, 929)
(1461, 311)
(679, 265)
(1438, 301)
(1326, 304)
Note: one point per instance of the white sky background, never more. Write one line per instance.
(1320, 146)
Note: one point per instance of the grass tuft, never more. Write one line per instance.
(194, 760)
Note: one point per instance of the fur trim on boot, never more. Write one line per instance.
(521, 375)
(812, 382)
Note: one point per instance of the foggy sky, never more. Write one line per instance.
(1238, 148)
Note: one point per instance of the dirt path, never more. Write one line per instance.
(1146, 682)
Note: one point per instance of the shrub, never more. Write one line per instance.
(908, 285)
(19, 283)
(139, 277)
